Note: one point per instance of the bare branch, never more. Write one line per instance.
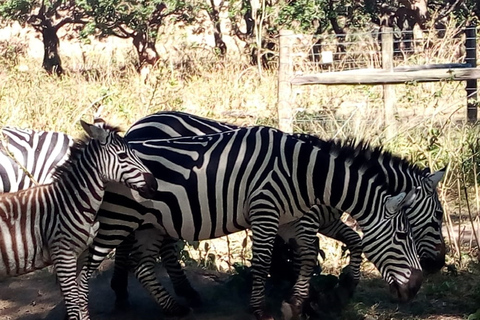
(68, 20)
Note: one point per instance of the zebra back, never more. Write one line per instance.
(29, 157)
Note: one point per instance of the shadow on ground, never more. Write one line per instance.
(445, 296)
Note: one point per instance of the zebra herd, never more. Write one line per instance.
(213, 179)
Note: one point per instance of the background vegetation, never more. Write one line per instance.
(239, 86)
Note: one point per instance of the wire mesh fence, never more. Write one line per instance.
(349, 110)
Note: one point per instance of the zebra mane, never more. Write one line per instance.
(73, 154)
(99, 122)
(358, 151)
(78, 146)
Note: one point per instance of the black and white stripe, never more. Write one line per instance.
(168, 124)
(425, 215)
(258, 178)
(54, 223)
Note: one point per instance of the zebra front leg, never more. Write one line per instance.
(306, 250)
(343, 233)
(145, 273)
(264, 229)
(96, 255)
(119, 281)
(65, 263)
(350, 276)
(181, 284)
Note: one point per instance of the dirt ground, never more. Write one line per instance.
(37, 296)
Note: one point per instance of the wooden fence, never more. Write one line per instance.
(388, 76)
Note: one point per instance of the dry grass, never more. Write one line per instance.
(430, 133)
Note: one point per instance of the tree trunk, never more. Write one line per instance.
(51, 59)
(147, 53)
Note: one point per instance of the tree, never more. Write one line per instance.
(139, 20)
(50, 16)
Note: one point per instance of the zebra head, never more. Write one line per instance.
(390, 246)
(427, 228)
(117, 161)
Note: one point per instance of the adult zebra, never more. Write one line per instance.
(259, 178)
(174, 124)
(425, 215)
(55, 223)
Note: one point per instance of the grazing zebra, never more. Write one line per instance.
(168, 124)
(259, 178)
(55, 223)
(425, 215)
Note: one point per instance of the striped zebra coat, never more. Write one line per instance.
(259, 178)
(30, 147)
(425, 215)
(55, 223)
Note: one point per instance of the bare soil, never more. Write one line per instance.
(446, 296)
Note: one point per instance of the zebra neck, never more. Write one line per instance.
(349, 186)
(81, 187)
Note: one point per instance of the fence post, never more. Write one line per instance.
(285, 73)
(388, 90)
(471, 85)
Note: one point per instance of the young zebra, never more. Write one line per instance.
(55, 223)
(425, 215)
(259, 178)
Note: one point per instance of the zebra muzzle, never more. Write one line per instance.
(407, 291)
(432, 264)
(149, 190)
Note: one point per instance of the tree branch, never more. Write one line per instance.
(68, 20)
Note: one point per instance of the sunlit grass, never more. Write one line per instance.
(430, 131)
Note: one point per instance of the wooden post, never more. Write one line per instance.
(471, 58)
(388, 90)
(285, 74)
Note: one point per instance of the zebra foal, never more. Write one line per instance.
(55, 223)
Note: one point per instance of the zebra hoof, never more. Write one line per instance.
(264, 316)
(122, 304)
(347, 284)
(293, 309)
(178, 311)
(191, 295)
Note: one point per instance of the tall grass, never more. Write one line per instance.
(430, 126)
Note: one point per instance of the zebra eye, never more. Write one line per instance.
(439, 214)
(122, 155)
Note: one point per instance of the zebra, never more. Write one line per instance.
(425, 215)
(29, 157)
(55, 223)
(270, 178)
(166, 124)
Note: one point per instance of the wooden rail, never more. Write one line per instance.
(387, 77)
(379, 76)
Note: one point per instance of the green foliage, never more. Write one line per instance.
(300, 15)
(124, 18)
(17, 9)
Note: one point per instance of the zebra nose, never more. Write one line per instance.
(407, 291)
(431, 264)
(149, 190)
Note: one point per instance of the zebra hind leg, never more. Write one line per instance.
(145, 273)
(181, 285)
(306, 250)
(119, 281)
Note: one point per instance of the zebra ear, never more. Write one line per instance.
(402, 200)
(433, 179)
(393, 202)
(94, 131)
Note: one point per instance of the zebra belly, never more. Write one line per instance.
(18, 258)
